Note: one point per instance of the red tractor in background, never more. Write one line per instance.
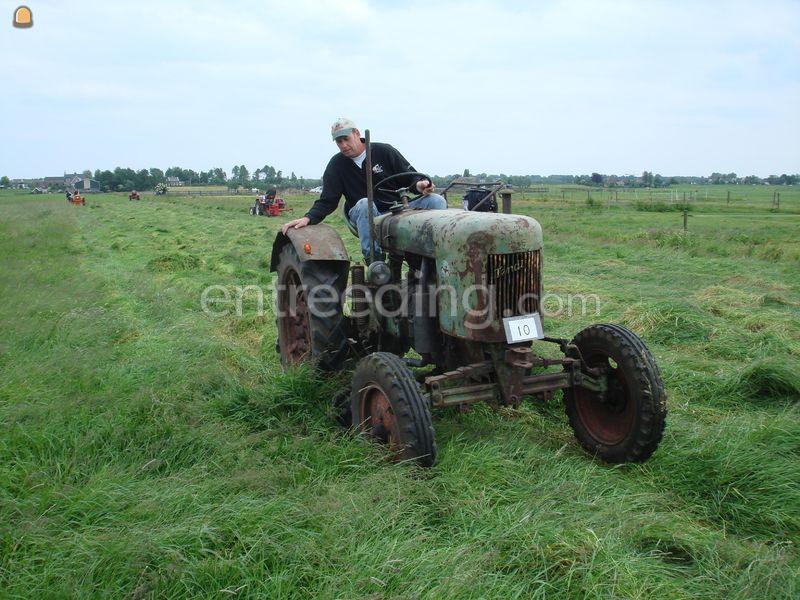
(269, 205)
(75, 198)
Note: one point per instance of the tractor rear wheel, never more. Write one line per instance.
(387, 405)
(626, 423)
(311, 326)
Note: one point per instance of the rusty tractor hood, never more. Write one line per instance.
(453, 234)
(460, 242)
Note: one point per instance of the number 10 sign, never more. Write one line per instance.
(521, 329)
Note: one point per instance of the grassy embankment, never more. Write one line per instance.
(148, 449)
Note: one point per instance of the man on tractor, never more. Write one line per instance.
(346, 175)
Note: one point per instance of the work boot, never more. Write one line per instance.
(379, 256)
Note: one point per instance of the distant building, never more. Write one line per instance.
(174, 182)
(86, 184)
(71, 178)
(52, 182)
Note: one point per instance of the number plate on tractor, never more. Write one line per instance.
(524, 328)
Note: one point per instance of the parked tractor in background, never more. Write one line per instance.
(463, 290)
(269, 205)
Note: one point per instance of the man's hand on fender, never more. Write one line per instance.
(296, 224)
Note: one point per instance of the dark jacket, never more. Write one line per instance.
(343, 177)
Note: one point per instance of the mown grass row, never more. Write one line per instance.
(151, 450)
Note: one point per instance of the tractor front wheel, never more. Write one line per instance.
(626, 422)
(387, 405)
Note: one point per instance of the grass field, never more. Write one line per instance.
(149, 450)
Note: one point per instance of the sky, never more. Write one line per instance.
(547, 87)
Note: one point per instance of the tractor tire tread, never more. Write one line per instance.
(329, 346)
(650, 421)
(411, 410)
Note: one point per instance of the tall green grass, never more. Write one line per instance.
(149, 450)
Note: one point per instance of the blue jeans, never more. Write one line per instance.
(359, 217)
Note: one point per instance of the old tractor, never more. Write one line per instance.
(269, 205)
(461, 289)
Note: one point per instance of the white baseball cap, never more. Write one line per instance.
(342, 127)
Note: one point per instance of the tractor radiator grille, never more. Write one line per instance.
(513, 276)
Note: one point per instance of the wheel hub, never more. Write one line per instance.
(608, 417)
(380, 418)
(294, 309)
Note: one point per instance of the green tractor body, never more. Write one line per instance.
(474, 253)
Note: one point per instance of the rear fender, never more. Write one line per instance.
(313, 242)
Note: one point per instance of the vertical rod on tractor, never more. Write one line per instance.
(370, 199)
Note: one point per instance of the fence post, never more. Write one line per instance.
(729, 196)
(506, 198)
(685, 215)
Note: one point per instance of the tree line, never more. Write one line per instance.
(123, 179)
(647, 179)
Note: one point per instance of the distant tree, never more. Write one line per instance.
(218, 176)
(87, 174)
(597, 179)
(143, 181)
(244, 175)
(5, 181)
(269, 174)
(466, 173)
(157, 175)
(124, 179)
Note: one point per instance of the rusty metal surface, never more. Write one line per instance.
(378, 418)
(295, 334)
(324, 241)
(516, 279)
(518, 362)
(485, 381)
(461, 243)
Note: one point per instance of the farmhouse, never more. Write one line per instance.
(174, 182)
(86, 184)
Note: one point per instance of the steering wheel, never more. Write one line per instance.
(399, 191)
